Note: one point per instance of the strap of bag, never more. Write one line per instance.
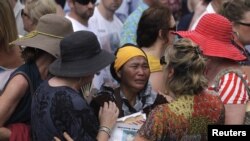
(118, 101)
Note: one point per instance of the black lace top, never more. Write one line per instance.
(59, 109)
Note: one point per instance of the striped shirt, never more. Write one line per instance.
(232, 89)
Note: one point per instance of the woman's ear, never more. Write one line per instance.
(119, 74)
(160, 33)
(170, 72)
(162, 37)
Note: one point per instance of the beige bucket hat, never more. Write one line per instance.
(50, 30)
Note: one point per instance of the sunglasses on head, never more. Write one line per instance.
(173, 28)
(245, 24)
(85, 2)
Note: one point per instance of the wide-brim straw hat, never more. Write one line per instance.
(214, 35)
(81, 55)
(50, 30)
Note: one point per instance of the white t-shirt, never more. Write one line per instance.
(77, 26)
(108, 33)
(208, 10)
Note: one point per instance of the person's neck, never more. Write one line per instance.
(157, 49)
(216, 5)
(62, 81)
(43, 63)
(78, 18)
(130, 94)
(107, 14)
(215, 66)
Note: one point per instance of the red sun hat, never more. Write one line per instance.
(214, 36)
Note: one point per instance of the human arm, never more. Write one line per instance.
(4, 134)
(156, 80)
(108, 115)
(12, 94)
(234, 114)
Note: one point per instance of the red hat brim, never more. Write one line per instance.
(212, 47)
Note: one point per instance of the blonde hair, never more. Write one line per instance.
(8, 29)
(188, 66)
(38, 8)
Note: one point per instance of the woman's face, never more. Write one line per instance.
(27, 22)
(135, 73)
(172, 29)
(243, 29)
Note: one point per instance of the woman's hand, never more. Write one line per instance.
(4, 134)
(66, 137)
(108, 114)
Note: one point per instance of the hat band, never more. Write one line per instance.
(35, 33)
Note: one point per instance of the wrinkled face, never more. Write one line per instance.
(243, 29)
(111, 5)
(85, 11)
(27, 22)
(135, 73)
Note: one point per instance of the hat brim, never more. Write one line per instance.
(82, 67)
(43, 42)
(213, 47)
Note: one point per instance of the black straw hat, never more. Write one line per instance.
(81, 55)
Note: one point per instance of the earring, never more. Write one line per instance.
(237, 34)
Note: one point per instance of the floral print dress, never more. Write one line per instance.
(186, 118)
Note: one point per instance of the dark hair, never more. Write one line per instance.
(234, 10)
(32, 54)
(153, 20)
(207, 1)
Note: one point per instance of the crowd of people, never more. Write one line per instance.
(69, 69)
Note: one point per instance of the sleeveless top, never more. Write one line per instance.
(154, 63)
(23, 109)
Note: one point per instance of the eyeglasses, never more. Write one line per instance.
(85, 2)
(24, 14)
(245, 24)
(162, 60)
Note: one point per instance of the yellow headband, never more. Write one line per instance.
(126, 53)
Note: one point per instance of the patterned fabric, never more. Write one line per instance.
(232, 90)
(145, 101)
(128, 34)
(149, 94)
(154, 64)
(59, 109)
(184, 119)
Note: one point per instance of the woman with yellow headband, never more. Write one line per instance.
(131, 70)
